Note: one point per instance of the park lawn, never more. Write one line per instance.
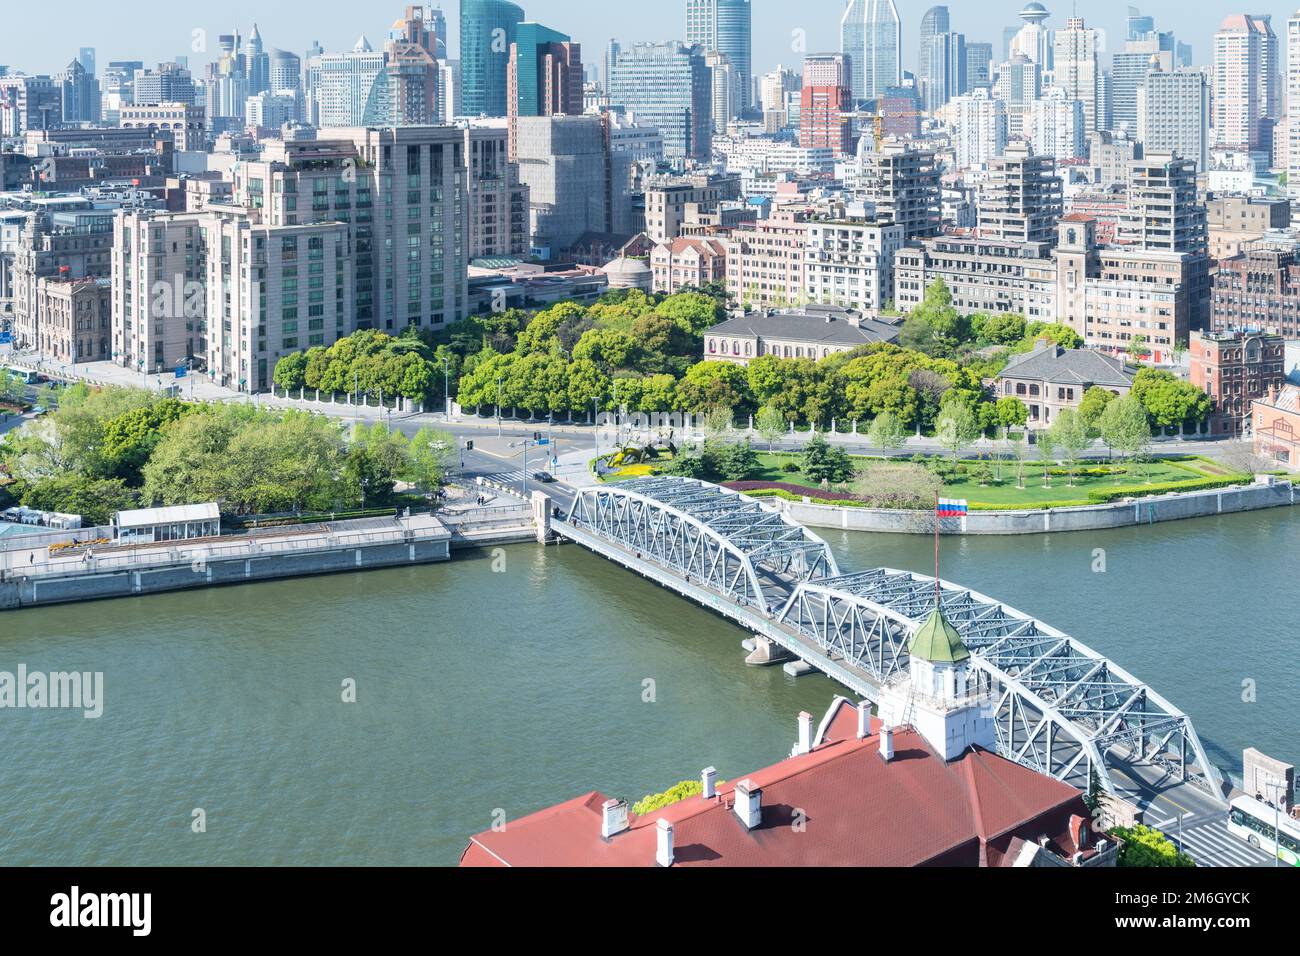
(1007, 495)
(1061, 492)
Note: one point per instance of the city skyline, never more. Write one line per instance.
(590, 23)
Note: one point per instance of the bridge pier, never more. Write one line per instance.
(542, 516)
(767, 653)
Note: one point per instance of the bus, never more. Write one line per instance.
(29, 378)
(1257, 823)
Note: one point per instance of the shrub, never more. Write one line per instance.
(790, 468)
(1144, 847)
(658, 801)
(1151, 491)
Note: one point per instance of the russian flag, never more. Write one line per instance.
(952, 509)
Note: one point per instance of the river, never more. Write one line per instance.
(502, 684)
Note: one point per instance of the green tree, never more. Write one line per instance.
(1072, 437)
(1125, 427)
(739, 462)
(431, 456)
(1170, 401)
(96, 500)
(291, 372)
(887, 432)
(823, 462)
(1011, 412)
(957, 426)
(1094, 405)
(771, 425)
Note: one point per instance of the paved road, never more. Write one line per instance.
(1167, 801)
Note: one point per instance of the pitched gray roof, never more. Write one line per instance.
(1081, 366)
(831, 327)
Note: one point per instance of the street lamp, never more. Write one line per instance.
(1277, 822)
(499, 430)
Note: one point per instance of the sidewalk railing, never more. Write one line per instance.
(154, 557)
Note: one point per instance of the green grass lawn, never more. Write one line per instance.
(1000, 495)
(1035, 493)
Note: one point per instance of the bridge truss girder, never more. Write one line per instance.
(1058, 706)
(708, 535)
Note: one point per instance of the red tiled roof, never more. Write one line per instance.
(856, 809)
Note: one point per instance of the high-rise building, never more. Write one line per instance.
(544, 78)
(1077, 70)
(170, 83)
(1164, 211)
(564, 162)
(1174, 115)
(826, 104)
(498, 202)
(1128, 73)
(487, 29)
(947, 66)
(726, 27)
(980, 121)
(871, 35)
(1033, 40)
(341, 86)
(86, 57)
(901, 182)
(1247, 88)
(1019, 82)
(79, 92)
(1055, 126)
(1020, 201)
(257, 64)
(979, 65)
(668, 86)
(934, 22)
(29, 103)
(727, 93)
(411, 70)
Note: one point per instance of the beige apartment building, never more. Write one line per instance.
(688, 263)
(765, 261)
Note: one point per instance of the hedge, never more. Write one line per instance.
(1175, 487)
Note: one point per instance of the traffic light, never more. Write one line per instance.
(537, 436)
(469, 446)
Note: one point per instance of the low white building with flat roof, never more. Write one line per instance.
(177, 523)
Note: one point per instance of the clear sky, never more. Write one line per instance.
(155, 30)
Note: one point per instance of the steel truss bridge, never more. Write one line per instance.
(1059, 707)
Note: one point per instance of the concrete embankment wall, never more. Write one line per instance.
(1175, 507)
(33, 592)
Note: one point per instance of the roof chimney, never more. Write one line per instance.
(709, 779)
(886, 744)
(664, 847)
(613, 818)
(864, 720)
(805, 744)
(749, 804)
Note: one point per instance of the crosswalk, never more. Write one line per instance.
(1209, 843)
(507, 478)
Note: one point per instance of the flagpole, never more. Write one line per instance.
(938, 602)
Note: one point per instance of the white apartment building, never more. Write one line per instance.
(1056, 126)
(979, 128)
(1077, 70)
(1247, 87)
(850, 263)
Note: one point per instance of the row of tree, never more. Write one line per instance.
(107, 450)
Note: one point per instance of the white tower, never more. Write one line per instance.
(940, 697)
